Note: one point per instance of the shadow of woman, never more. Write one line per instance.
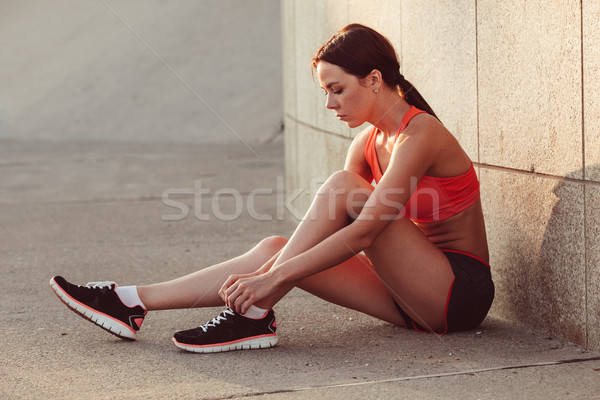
(561, 281)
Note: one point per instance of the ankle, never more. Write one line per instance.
(129, 296)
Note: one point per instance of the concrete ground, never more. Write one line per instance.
(95, 212)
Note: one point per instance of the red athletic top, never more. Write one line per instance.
(434, 198)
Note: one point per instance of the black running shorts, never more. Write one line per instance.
(470, 297)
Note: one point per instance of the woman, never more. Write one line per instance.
(425, 262)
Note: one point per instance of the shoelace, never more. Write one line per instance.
(216, 320)
(100, 285)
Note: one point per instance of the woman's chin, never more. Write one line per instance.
(351, 123)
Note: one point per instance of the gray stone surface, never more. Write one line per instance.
(540, 242)
(592, 234)
(591, 88)
(383, 20)
(288, 31)
(439, 57)
(307, 40)
(529, 58)
(322, 155)
(291, 153)
(118, 233)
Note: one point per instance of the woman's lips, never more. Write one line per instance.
(340, 116)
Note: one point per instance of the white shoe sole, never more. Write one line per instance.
(262, 342)
(104, 321)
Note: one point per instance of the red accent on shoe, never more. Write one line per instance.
(138, 322)
(223, 343)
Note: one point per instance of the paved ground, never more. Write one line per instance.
(95, 212)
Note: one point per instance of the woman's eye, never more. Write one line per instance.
(334, 92)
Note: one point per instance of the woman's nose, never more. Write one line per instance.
(330, 104)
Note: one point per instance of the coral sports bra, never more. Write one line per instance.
(434, 198)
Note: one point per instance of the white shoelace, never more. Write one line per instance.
(216, 320)
(100, 285)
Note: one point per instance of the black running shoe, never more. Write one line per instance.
(99, 303)
(229, 331)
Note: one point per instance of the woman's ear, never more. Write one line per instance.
(374, 79)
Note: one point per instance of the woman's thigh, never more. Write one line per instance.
(416, 273)
(355, 284)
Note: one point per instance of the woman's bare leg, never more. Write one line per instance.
(200, 288)
(354, 284)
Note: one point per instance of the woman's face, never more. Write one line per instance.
(347, 96)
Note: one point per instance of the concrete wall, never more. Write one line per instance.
(517, 83)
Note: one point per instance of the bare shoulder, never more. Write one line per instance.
(426, 130)
(426, 125)
(431, 140)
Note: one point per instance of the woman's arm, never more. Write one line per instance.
(413, 154)
(269, 264)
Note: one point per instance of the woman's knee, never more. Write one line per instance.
(347, 189)
(344, 179)
(272, 244)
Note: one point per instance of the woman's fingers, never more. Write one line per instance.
(226, 288)
(244, 307)
(227, 291)
(241, 291)
(238, 297)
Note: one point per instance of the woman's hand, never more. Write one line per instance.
(239, 292)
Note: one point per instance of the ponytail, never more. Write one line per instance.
(412, 95)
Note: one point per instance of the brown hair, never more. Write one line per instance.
(358, 50)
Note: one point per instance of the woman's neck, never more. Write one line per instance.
(389, 113)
